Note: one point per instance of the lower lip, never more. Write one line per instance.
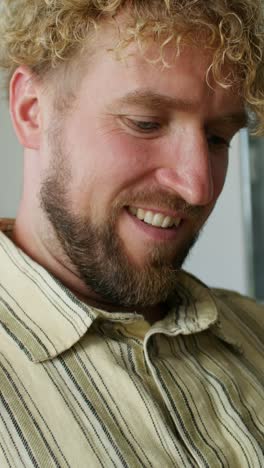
(155, 233)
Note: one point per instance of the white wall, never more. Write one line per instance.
(220, 256)
(11, 166)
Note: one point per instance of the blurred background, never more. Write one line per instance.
(230, 251)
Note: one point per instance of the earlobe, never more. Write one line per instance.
(24, 107)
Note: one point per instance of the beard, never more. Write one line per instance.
(97, 252)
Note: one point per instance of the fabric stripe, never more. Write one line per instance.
(7, 457)
(10, 448)
(114, 418)
(19, 326)
(18, 385)
(84, 387)
(165, 438)
(255, 425)
(222, 395)
(13, 420)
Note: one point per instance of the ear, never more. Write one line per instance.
(24, 107)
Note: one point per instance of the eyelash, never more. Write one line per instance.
(138, 123)
(213, 140)
(218, 141)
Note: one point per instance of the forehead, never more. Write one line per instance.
(139, 78)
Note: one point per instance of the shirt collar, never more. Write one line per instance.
(44, 318)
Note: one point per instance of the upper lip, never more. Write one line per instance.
(164, 211)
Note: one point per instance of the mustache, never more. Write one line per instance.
(160, 199)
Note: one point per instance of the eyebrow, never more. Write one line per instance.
(154, 101)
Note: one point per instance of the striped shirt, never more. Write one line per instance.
(81, 387)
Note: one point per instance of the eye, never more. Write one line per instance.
(143, 126)
(146, 126)
(218, 141)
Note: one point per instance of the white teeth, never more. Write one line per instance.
(148, 218)
(155, 219)
(140, 214)
(166, 222)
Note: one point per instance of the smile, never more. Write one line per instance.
(154, 219)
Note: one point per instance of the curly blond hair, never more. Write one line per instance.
(43, 34)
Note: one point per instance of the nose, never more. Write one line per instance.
(187, 169)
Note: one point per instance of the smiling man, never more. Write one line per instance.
(112, 355)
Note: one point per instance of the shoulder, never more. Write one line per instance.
(242, 311)
(247, 305)
(240, 316)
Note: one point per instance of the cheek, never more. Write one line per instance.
(119, 160)
(130, 156)
(105, 165)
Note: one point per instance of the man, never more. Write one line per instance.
(112, 355)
